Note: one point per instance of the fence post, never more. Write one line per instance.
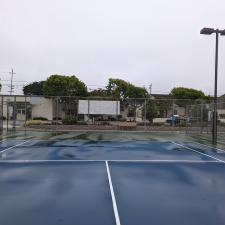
(57, 110)
(14, 113)
(145, 115)
(77, 109)
(187, 117)
(173, 122)
(25, 122)
(201, 117)
(7, 115)
(88, 109)
(2, 114)
(116, 109)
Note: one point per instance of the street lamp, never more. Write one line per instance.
(209, 31)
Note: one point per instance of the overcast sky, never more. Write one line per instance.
(141, 41)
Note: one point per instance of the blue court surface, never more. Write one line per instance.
(91, 178)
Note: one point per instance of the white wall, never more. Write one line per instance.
(99, 107)
(42, 107)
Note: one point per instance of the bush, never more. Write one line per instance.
(40, 118)
(158, 124)
(37, 122)
(69, 121)
(56, 123)
(57, 118)
(104, 123)
(144, 124)
(81, 123)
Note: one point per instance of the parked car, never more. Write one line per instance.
(175, 120)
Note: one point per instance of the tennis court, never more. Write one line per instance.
(110, 178)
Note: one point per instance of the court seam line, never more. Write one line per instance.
(212, 157)
(14, 146)
(132, 161)
(115, 209)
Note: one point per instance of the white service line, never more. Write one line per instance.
(89, 160)
(116, 214)
(14, 146)
(183, 146)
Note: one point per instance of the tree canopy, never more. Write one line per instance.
(35, 88)
(98, 93)
(123, 89)
(60, 85)
(151, 110)
(187, 93)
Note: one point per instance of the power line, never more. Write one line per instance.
(22, 81)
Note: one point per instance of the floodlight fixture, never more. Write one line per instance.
(207, 31)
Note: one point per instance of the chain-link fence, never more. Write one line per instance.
(97, 113)
(200, 120)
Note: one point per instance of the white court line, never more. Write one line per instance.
(89, 160)
(4, 140)
(212, 157)
(219, 149)
(112, 195)
(13, 146)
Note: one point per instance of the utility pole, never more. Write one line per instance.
(11, 82)
(150, 89)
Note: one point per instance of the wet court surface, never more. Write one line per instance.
(100, 150)
(55, 193)
(132, 182)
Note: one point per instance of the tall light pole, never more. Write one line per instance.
(209, 31)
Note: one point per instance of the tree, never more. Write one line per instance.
(98, 93)
(123, 89)
(60, 85)
(151, 110)
(164, 106)
(67, 88)
(35, 88)
(185, 96)
(187, 93)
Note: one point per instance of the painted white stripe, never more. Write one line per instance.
(212, 157)
(112, 195)
(219, 149)
(132, 161)
(3, 140)
(14, 146)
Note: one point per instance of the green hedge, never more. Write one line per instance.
(40, 118)
(69, 121)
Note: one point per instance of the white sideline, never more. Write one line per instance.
(3, 140)
(13, 146)
(208, 146)
(90, 160)
(212, 157)
(116, 214)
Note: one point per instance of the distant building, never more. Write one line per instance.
(98, 108)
